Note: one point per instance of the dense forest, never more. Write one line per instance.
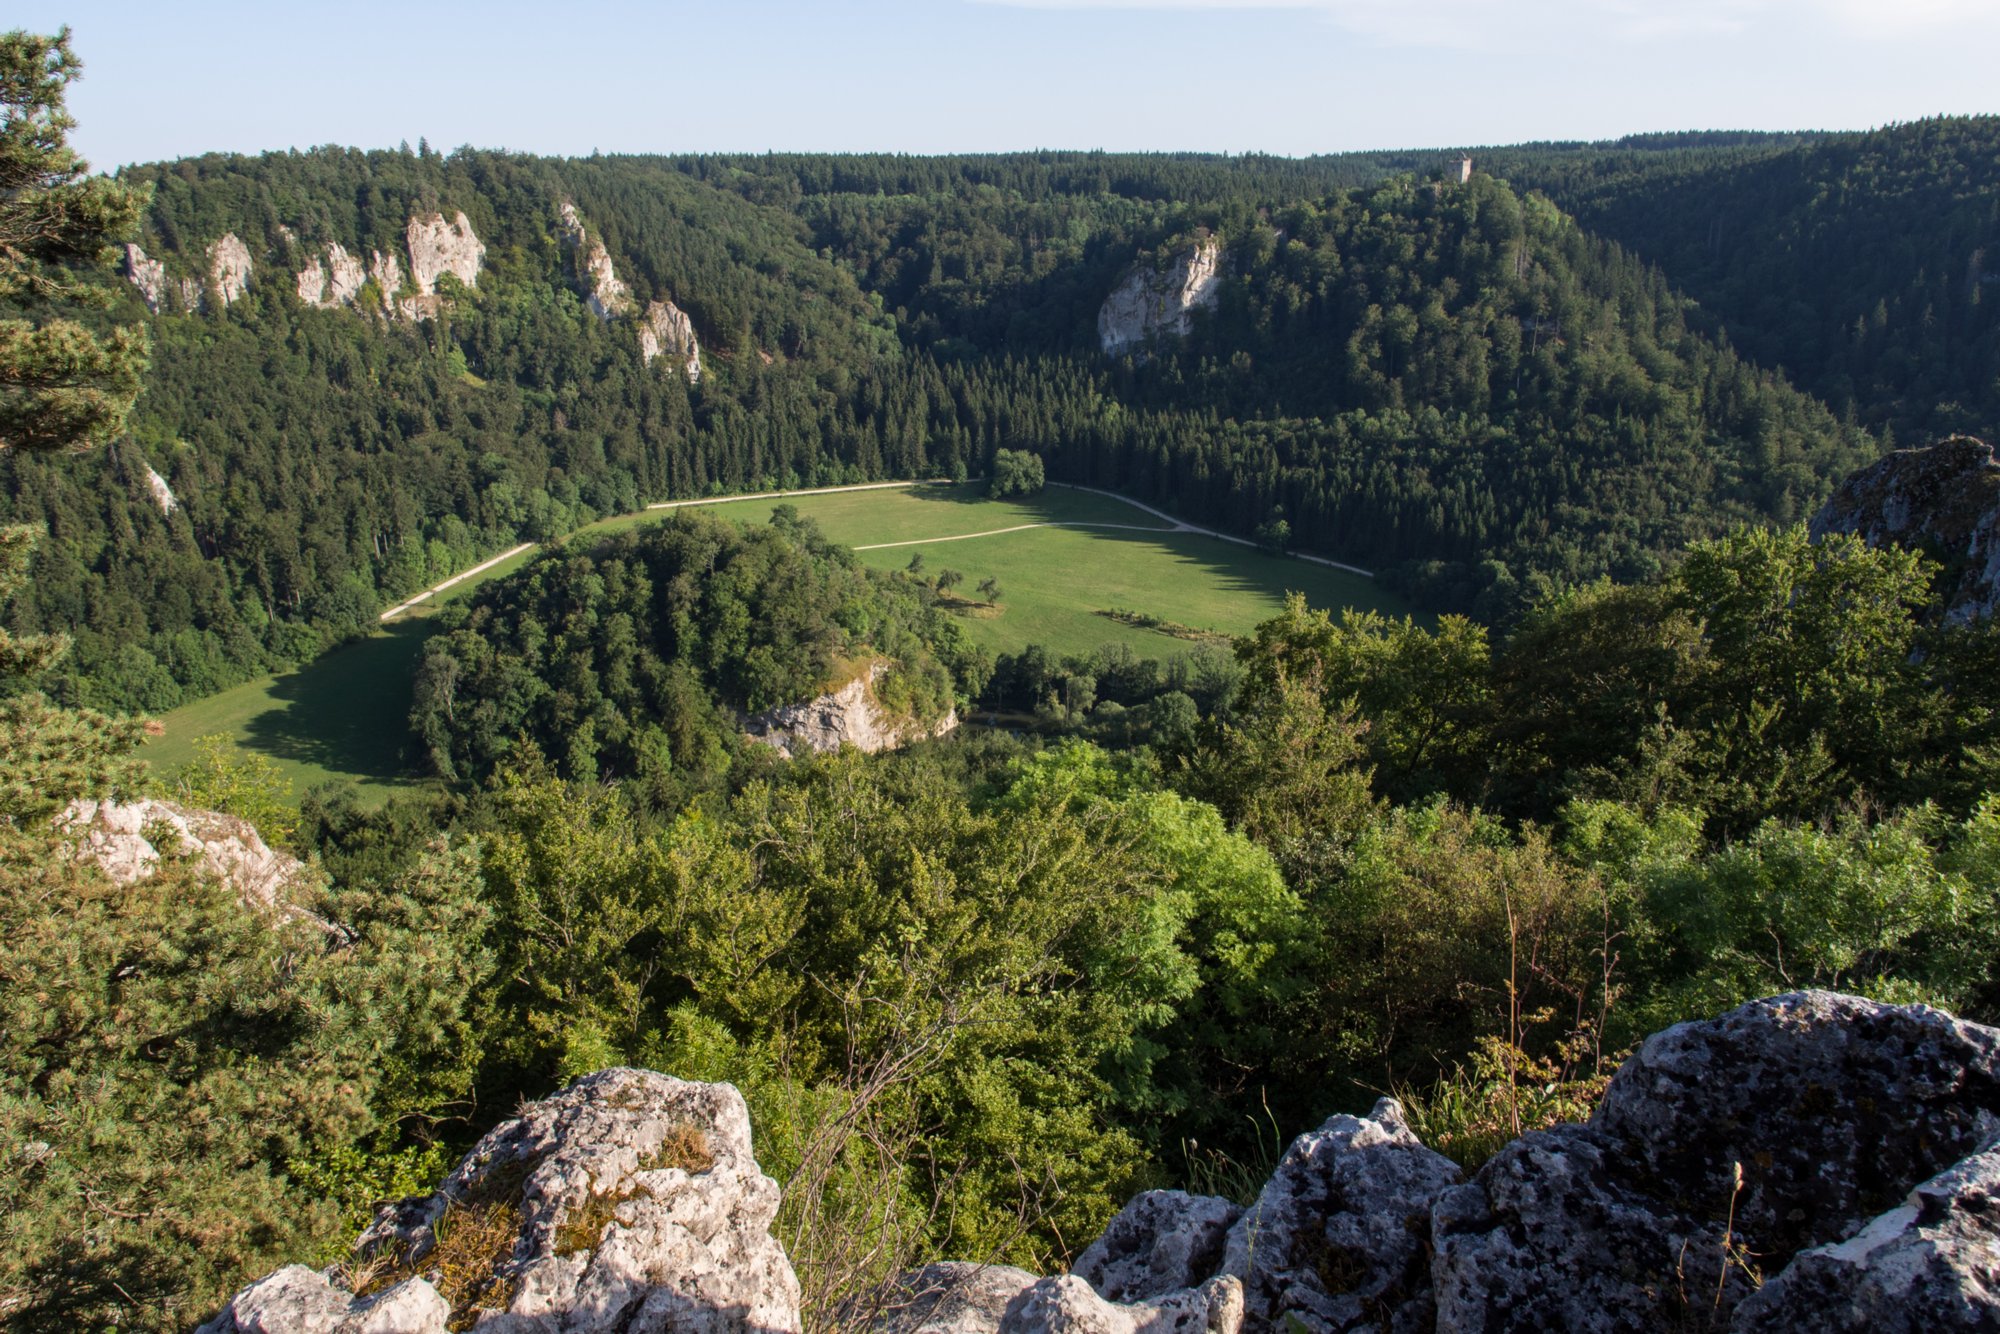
(1466, 387)
(977, 991)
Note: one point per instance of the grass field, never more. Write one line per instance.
(342, 717)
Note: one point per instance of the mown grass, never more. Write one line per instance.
(342, 717)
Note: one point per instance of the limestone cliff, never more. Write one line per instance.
(1159, 303)
(849, 716)
(334, 281)
(667, 330)
(1943, 500)
(438, 247)
(387, 271)
(229, 268)
(607, 296)
(148, 275)
(163, 495)
(119, 839)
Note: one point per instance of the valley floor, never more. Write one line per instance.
(1064, 559)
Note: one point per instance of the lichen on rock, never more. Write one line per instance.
(1944, 499)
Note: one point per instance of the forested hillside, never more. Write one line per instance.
(1455, 384)
(1866, 266)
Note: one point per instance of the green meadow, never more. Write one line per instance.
(342, 716)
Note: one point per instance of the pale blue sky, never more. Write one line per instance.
(172, 77)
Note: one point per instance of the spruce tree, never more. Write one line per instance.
(61, 384)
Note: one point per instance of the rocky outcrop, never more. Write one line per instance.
(163, 495)
(387, 273)
(949, 1297)
(1164, 1240)
(1932, 1263)
(667, 330)
(1811, 1162)
(148, 275)
(603, 291)
(438, 247)
(1337, 1238)
(1944, 500)
(229, 268)
(1067, 1305)
(629, 1201)
(849, 716)
(298, 1300)
(1783, 1126)
(1159, 303)
(118, 837)
(333, 281)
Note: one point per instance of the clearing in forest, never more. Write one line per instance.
(343, 716)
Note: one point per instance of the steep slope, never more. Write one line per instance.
(1866, 265)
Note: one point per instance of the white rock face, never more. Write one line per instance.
(297, 1300)
(666, 329)
(148, 275)
(1150, 303)
(191, 294)
(387, 271)
(335, 281)
(849, 716)
(229, 268)
(602, 288)
(112, 834)
(163, 495)
(438, 247)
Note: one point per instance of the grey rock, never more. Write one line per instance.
(1549, 1235)
(334, 281)
(148, 275)
(387, 271)
(296, 1300)
(848, 716)
(1068, 1305)
(438, 247)
(1159, 303)
(612, 1232)
(605, 292)
(949, 1297)
(1834, 1106)
(1944, 498)
(229, 268)
(1162, 1241)
(117, 837)
(162, 494)
(1336, 1239)
(1930, 1264)
(667, 330)
(632, 1202)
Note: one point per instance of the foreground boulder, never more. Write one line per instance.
(949, 1297)
(1161, 1242)
(1931, 1264)
(629, 1201)
(1337, 1237)
(1068, 1305)
(1721, 1150)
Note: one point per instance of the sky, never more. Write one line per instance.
(1294, 77)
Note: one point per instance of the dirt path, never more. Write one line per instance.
(460, 577)
(1182, 527)
(1019, 528)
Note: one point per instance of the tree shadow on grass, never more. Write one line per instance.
(348, 710)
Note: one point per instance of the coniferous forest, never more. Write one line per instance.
(1651, 749)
